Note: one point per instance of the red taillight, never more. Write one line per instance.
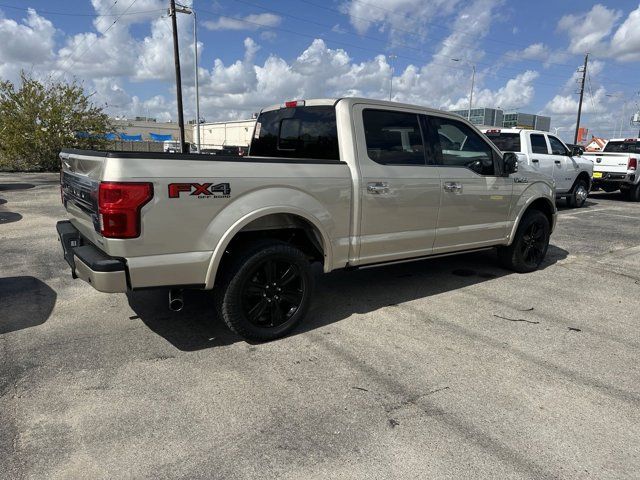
(632, 164)
(119, 205)
(294, 103)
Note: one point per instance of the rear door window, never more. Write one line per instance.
(299, 132)
(393, 138)
(539, 144)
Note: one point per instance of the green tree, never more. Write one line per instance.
(38, 119)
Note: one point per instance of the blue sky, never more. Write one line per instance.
(254, 53)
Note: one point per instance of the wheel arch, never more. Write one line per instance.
(582, 176)
(272, 220)
(540, 203)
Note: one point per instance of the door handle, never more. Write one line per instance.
(557, 162)
(378, 188)
(535, 160)
(454, 187)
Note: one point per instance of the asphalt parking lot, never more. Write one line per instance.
(450, 368)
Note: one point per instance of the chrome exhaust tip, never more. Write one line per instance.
(176, 302)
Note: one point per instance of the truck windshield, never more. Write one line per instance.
(299, 132)
(506, 142)
(623, 147)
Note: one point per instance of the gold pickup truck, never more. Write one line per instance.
(345, 182)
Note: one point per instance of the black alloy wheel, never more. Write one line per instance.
(265, 292)
(530, 243)
(533, 245)
(272, 293)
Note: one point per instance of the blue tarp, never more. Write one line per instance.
(82, 134)
(156, 137)
(131, 138)
(110, 136)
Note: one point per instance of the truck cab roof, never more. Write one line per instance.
(356, 100)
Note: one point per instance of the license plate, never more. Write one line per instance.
(597, 174)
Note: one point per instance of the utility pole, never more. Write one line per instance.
(176, 58)
(584, 75)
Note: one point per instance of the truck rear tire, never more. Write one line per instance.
(578, 195)
(632, 193)
(529, 247)
(265, 292)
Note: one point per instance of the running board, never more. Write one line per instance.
(416, 259)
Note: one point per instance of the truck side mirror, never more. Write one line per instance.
(510, 161)
(576, 151)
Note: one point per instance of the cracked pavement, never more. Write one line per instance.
(449, 368)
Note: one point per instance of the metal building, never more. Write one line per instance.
(489, 117)
(526, 120)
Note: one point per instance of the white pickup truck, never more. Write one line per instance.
(348, 182)
(616, 167)
(545, 153)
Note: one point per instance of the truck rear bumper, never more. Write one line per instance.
(102, 272)
(600, 178)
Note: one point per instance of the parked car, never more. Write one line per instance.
(616, 167)
(349, 183)
(545, 153)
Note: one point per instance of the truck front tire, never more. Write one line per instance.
(529, 247)
(578, 195)
(265, 292)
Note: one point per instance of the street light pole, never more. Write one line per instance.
(391, 58)
(191, 11)
(473, 80)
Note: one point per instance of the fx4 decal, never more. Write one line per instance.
(200, 190)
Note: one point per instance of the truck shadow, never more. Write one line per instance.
(6, 187)
(24, 302)
(347, 292)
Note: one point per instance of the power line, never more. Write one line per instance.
(593, 104)
(397, 42)
(91, 15)
(359, 47)
(368, 20)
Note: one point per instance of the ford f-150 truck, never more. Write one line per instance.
(616, 167)
(348, 182)
(542, 152)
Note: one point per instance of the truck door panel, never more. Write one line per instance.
(541, 161)
(400, 191)
(475, 200)
(564, 167)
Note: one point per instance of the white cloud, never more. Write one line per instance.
(249, 22)
(625, 44)
(398, 17)
(25, 44)
(587, 31)
(593, 32)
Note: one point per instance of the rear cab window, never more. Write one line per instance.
(626, 146)
(505, 141)
(307, 132)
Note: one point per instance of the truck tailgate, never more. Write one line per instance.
(608, 161)
(79, 178)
